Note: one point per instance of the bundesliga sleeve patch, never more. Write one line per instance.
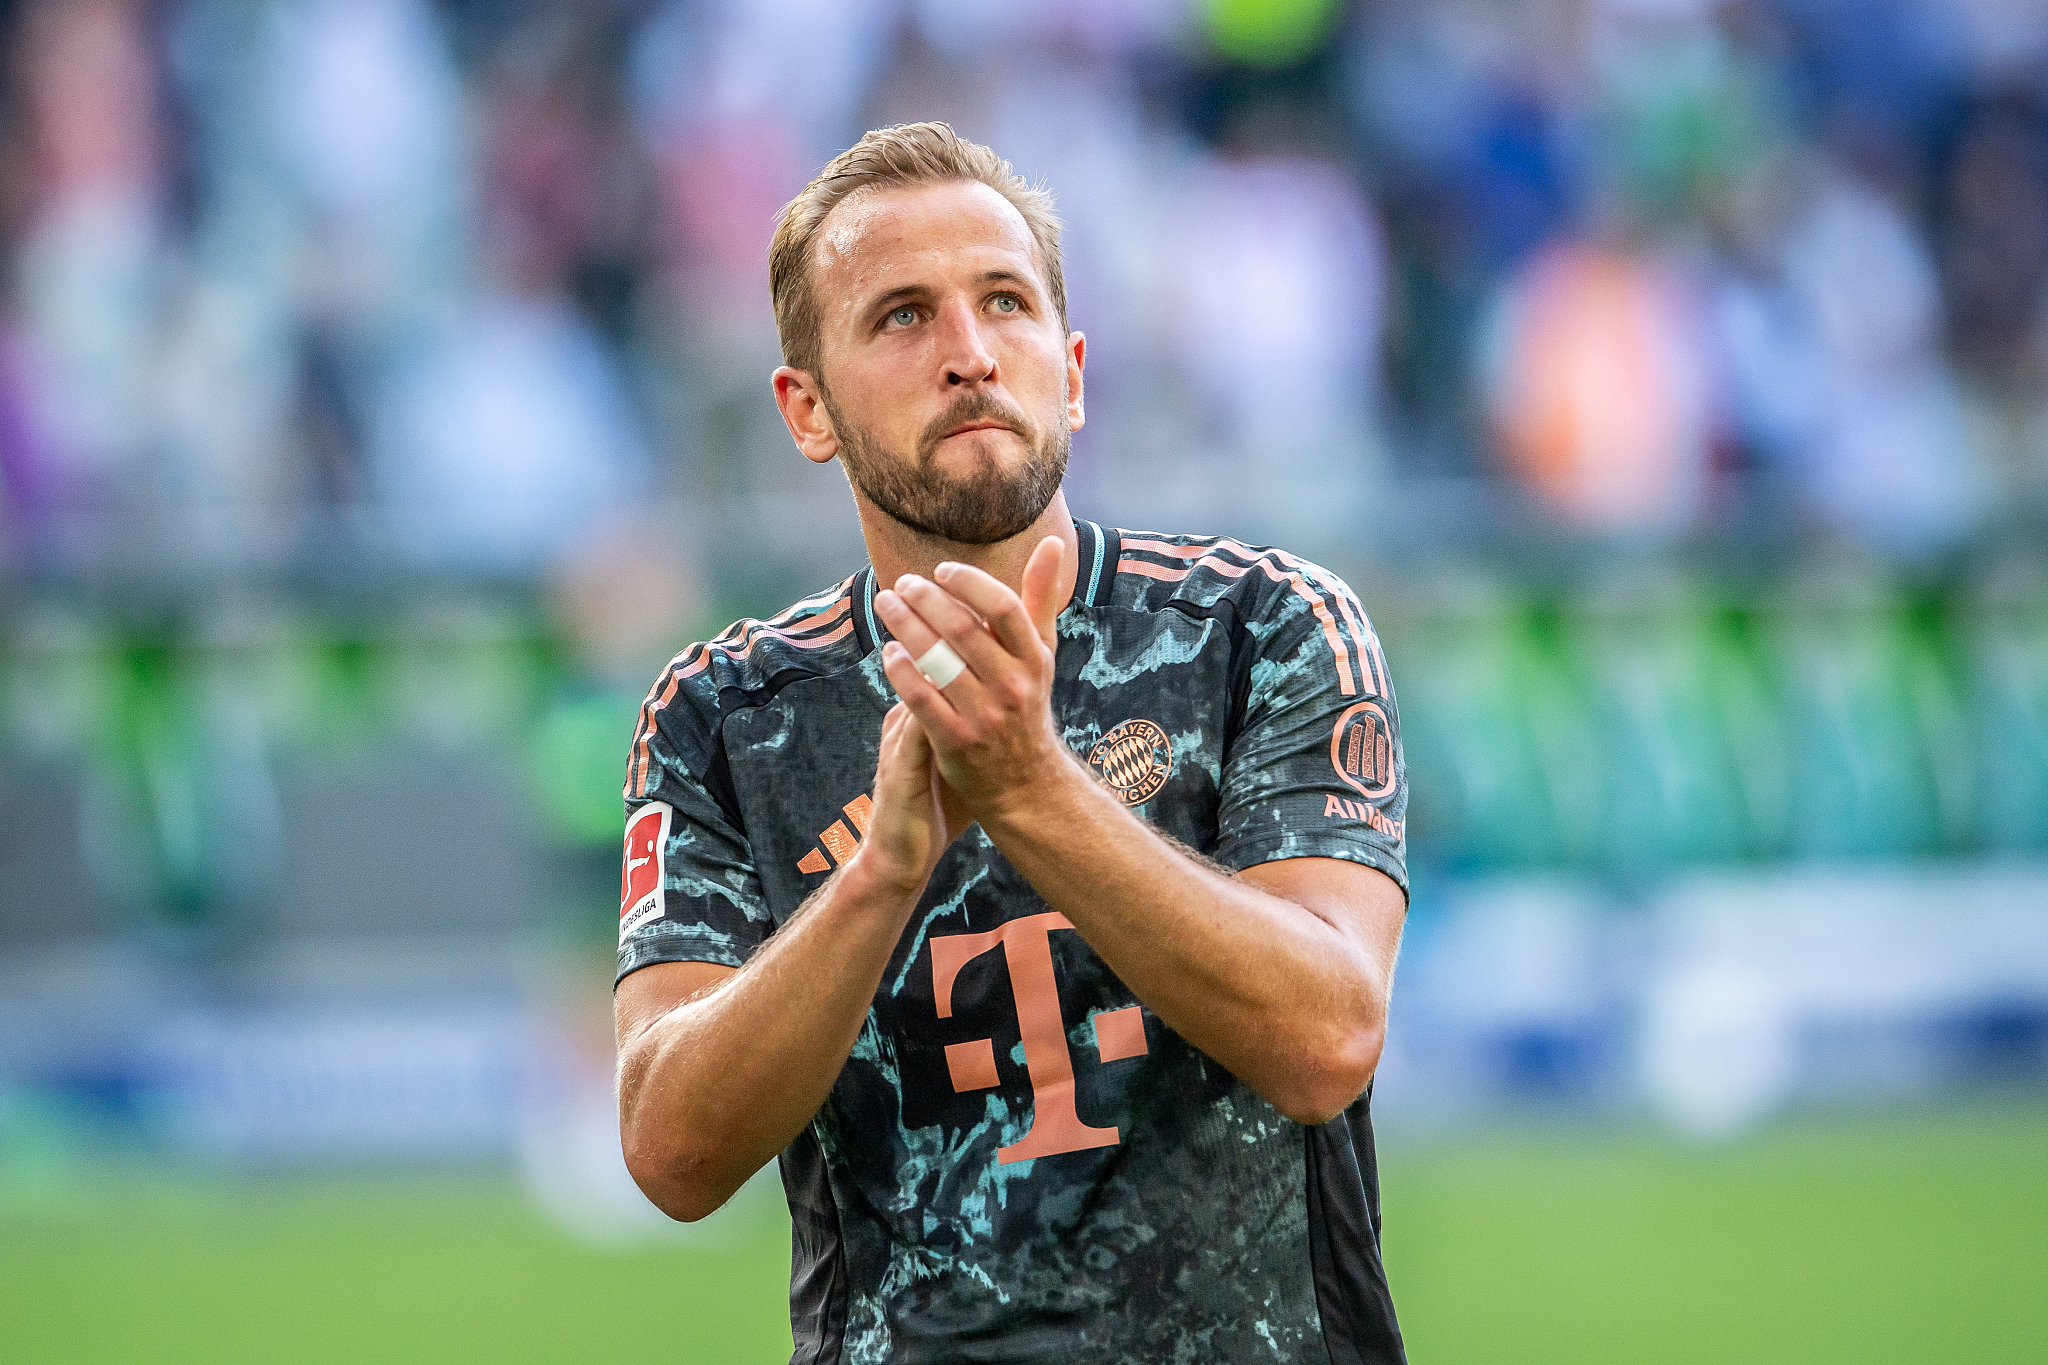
(641, 897)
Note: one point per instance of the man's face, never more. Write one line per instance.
(950, 385)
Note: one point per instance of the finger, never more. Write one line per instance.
(900, 727)
(962, 691)
(947, 618)
(1044, 573)
(892, 727)
(904, 740)
(904, 623)
(894, 770)
(897, 725)
(917, 746)
(990, 597)
(928, 705)
(954, 815)
(918, 635)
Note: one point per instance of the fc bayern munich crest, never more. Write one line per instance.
(1133, 760)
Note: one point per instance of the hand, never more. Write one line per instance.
(991, 728)
(917, 816)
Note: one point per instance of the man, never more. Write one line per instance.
(1034, 892)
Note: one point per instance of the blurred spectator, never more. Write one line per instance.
(505, 434)
(564, 191)
(1992, 219)
(87, 272)
(732, 139)
(1267, 32)
(503, 440)
(1995, 234)
(368, 115)
(1271, 266)
(1596, 384)
(1872, 75)
(1099, 27)
(1476, 169)
(1683, 107)
(1887, 458)
(1766, 359)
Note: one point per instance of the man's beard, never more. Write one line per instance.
(980, 507)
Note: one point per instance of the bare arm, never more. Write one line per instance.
(1281, 973)
(720, 1069)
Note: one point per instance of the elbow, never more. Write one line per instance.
(676, 1182)
(1333, 1072)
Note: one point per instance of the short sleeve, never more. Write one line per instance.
(688, 888)
(1315, 768)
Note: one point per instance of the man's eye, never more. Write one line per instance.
(1006, 303)
(903, 317)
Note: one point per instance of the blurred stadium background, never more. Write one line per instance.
(383, 397)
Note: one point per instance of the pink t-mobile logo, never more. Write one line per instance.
(1027, 951)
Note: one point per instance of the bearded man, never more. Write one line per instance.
(1033, 893)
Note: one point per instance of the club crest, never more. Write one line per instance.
(1133, 760)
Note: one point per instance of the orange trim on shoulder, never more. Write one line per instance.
(1150, 570)
(697, 657)
(738, 655)
(643, 734)
(798, 609)
(1354, 617)
(1162, 548)
(1208, 557)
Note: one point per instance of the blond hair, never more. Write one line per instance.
(905, 154)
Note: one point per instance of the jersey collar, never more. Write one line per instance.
(1098, 553)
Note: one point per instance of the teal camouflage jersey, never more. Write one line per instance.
(1019, 1161)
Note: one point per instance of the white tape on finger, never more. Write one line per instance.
(940, 665)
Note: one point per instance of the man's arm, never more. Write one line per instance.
(1280, 973)
(720, 1069)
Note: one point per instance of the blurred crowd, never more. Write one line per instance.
(1669, 374)
(467, 287)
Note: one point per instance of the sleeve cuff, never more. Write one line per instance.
(1251, 854)
(667, 941)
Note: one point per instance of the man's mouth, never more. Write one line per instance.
(963, 429)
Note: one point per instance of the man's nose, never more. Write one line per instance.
(963, 350)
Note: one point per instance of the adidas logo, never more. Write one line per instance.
(839, 841)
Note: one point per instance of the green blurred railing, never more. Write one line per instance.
(1622, 723)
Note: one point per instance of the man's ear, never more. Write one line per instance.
(802, 403)
(1077, 354)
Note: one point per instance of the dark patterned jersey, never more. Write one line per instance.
(1020, 1162)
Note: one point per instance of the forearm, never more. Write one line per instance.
(1281, 990)
(719, 1084)
(1289, 1003)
